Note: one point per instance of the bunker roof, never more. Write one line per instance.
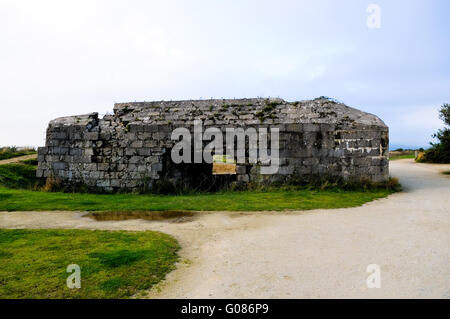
(244, 112)
(241, 112)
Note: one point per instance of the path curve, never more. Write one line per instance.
(314, 254)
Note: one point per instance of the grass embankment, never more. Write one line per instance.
(18, 175)
(33, 263)
(10, 152)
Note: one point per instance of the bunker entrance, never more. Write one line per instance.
(195, 176)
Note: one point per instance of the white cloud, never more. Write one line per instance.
(414, 125)
(60, 58)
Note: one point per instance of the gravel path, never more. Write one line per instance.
(18, 159)
(314, 254)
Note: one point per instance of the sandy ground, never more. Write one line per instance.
(314, 254)
(18, 159)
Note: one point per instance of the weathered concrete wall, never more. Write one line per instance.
(130, 149)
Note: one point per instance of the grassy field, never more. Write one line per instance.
(294, 199)
(18, 180)
(116, 264)
(10, 152)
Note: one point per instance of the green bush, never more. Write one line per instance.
(440, 152)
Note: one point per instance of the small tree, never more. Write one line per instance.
(444, 113)
(440, 152)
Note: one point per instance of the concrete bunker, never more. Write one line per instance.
(130, 150)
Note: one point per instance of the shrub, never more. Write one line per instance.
(52, 184)
(440, 152)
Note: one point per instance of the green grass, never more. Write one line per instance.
(18, 175)
(31, 161)
(293, 199)
(446, 173)
(17, 182)
(116, 264)
(11, 152)
(404, 156)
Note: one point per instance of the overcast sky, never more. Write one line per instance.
(60, 58)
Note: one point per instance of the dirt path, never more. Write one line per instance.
(321, 253)
(18, 159)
